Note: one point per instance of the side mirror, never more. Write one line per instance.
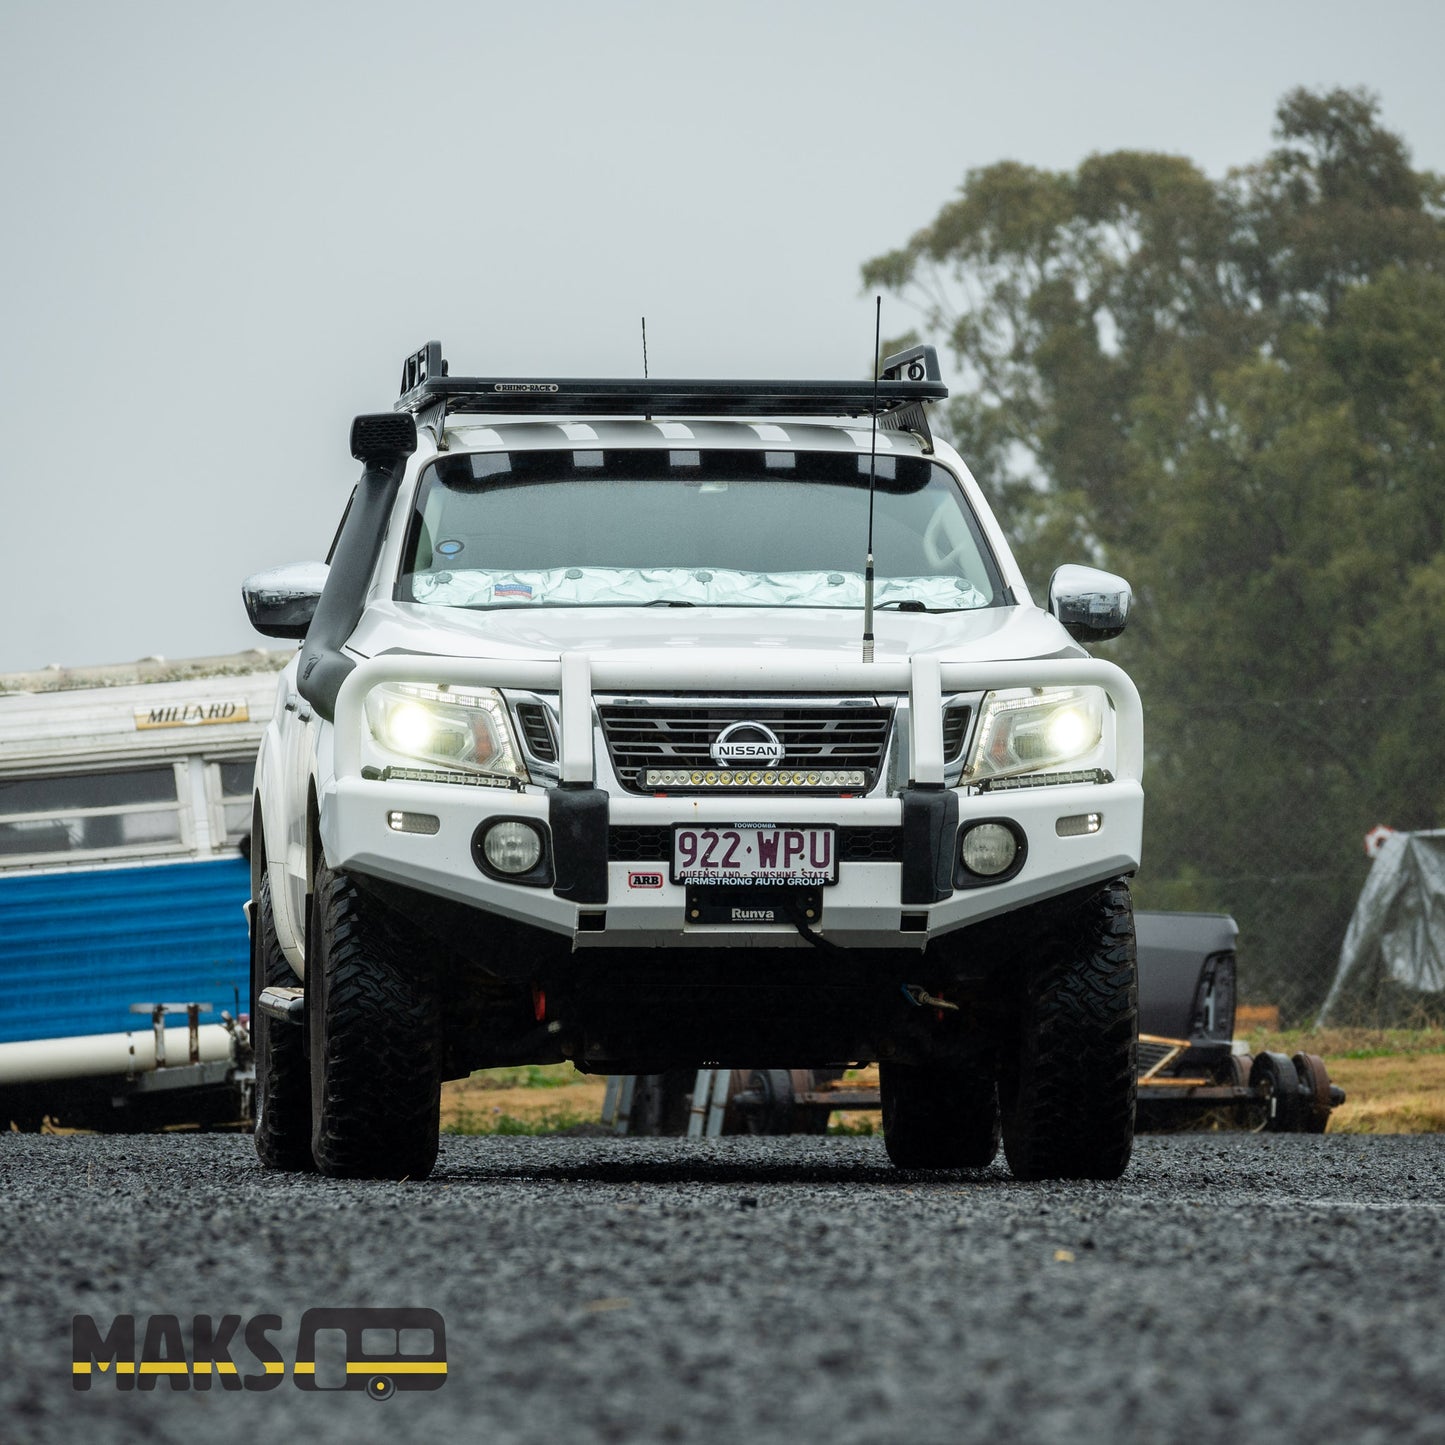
(282, 601)
(1093, 606)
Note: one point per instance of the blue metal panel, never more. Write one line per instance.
(78, 948)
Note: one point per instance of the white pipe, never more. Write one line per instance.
(101, 1055)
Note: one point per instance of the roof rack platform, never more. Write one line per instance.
(906, 381)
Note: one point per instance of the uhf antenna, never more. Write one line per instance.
(872, 476)
(644, 348)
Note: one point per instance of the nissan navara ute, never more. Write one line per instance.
(659, 725)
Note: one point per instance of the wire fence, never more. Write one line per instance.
(1261, 810)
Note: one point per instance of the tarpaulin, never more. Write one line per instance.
(1394, 948)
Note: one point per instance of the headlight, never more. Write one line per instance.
(463, 728)
(1020, 732)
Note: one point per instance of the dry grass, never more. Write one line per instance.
(537, 1099)
(1395, 1080)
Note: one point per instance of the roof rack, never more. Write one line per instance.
(906, 381)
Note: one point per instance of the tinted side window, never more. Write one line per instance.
(87, 814)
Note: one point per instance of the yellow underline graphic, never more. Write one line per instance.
(271, 1367)
(379, 1367)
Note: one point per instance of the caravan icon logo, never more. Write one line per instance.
(379, 1351)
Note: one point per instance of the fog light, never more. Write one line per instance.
(1079, 825)
(400, 822)
(988, 849)
(512, 847)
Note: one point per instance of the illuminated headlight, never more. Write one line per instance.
(1020, 732)
(463, 728)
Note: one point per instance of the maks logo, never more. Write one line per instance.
(376, 1350)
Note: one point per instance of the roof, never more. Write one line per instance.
(145, 670)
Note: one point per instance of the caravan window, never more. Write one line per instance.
(90, 814)
(228, 788)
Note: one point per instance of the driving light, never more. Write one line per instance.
(988, 849)
(512, 847)
(463, 728)
(679, 778)
(424, 823)
(1021, 732)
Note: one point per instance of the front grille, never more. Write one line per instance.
(638, 845)
(537, 731)
(869, 845)
(632, 844)
(955, 728)
(671, 733)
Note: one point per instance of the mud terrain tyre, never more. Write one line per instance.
(283, 1082)
(1068, 1096)
(375, 1044)
(935, 1118)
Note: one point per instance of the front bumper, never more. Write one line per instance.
(641, 907)
(604, 895)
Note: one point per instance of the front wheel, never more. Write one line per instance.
(375, 1039)
(939, 1118)
(1069, 1089)
(283, 1087)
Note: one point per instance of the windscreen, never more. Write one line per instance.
(649, 527)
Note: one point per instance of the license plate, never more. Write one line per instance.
(803, 857)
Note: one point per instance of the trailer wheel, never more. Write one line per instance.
(1068, 1093)
(937, 1118)
(283, 1085)
(375, 1045)
(1276, 1080)
(808, 1118)
(1248, 1113)
(1315, 1088)
(661, 1104)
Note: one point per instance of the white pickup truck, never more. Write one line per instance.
(667, 724)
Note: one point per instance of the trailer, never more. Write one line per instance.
(1191, 1069)
(125, 820)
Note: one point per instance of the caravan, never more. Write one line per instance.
(125, 817)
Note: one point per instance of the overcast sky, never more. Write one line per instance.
(225, 226)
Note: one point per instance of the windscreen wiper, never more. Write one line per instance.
(911, 604)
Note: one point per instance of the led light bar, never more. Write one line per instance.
(1045, 780)
(823, 778)
(434, 775)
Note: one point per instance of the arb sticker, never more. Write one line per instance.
(644, 880)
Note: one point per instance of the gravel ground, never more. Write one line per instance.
(1229, 1287)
